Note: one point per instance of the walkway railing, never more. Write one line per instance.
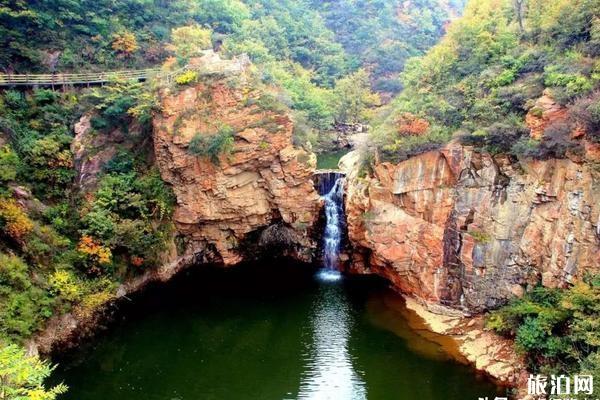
(88, 78)
(208, 64)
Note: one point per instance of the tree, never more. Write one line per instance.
(353, 97)
(125, 43)
(189, 41)
(14, 221)
(223, 16)
(22, 376)
(519, 11)
(9, 161)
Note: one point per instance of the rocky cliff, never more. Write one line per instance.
(254, 196)
(467, 230)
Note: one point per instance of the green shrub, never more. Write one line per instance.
(537, 112)
(157, 196)
(525, 146)
(587, 111)
(23, 376)
(130, 214)
(480, 237)
(121, 101)
(99, 123)
(505, 78)
(497, 138)
(23, 313)
(121, 163)
(44, 244)
(45, 96)
(555, 329)
(270, 102)
(63, 217)
(554, 78)
(100, 224)
(9, 164)
(212, 146)
(407, 146)
(14, 99)
(13, 272)
(567, 85)
(49, 164)
(64, 283)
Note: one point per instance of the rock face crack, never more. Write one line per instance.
(452, 293)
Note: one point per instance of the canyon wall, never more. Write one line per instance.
(463, 229)
(256, 197)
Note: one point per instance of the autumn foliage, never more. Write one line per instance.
(137, 261)
(94, 250)
(409, 124)
(125, 43)
(14, 222)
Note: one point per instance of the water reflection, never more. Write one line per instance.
(329, 372)
(267, 333)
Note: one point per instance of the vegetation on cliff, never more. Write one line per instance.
(301, 45)
(63, 248)
(556, 329)
(22, 376)
(488, 72)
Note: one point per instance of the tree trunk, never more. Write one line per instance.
(519, 11)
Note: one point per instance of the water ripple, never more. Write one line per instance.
(329, 372)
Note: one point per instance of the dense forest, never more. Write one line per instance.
(474, 80)
(483, 78)
(301, 45)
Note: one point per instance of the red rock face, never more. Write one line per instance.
(463, 229)
(548, 112)
(263, 181)
(545, 112)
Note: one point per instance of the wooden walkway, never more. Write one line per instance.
(208, 64)
(87, 78)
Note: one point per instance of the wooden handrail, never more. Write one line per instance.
(82, 78)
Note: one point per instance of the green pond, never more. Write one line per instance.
(330, 160)
(265, 331)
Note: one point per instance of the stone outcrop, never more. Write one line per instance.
(467, 230)
(485, 350)
(259, 194)
(545, 112)
(548, 113)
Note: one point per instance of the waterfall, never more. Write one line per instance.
(331, 189)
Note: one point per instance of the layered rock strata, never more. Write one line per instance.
(256, 194)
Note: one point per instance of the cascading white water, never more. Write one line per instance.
(332, 374)
(333, 196)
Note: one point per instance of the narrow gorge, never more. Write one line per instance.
(458, 231)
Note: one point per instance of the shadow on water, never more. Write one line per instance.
(264, 331)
